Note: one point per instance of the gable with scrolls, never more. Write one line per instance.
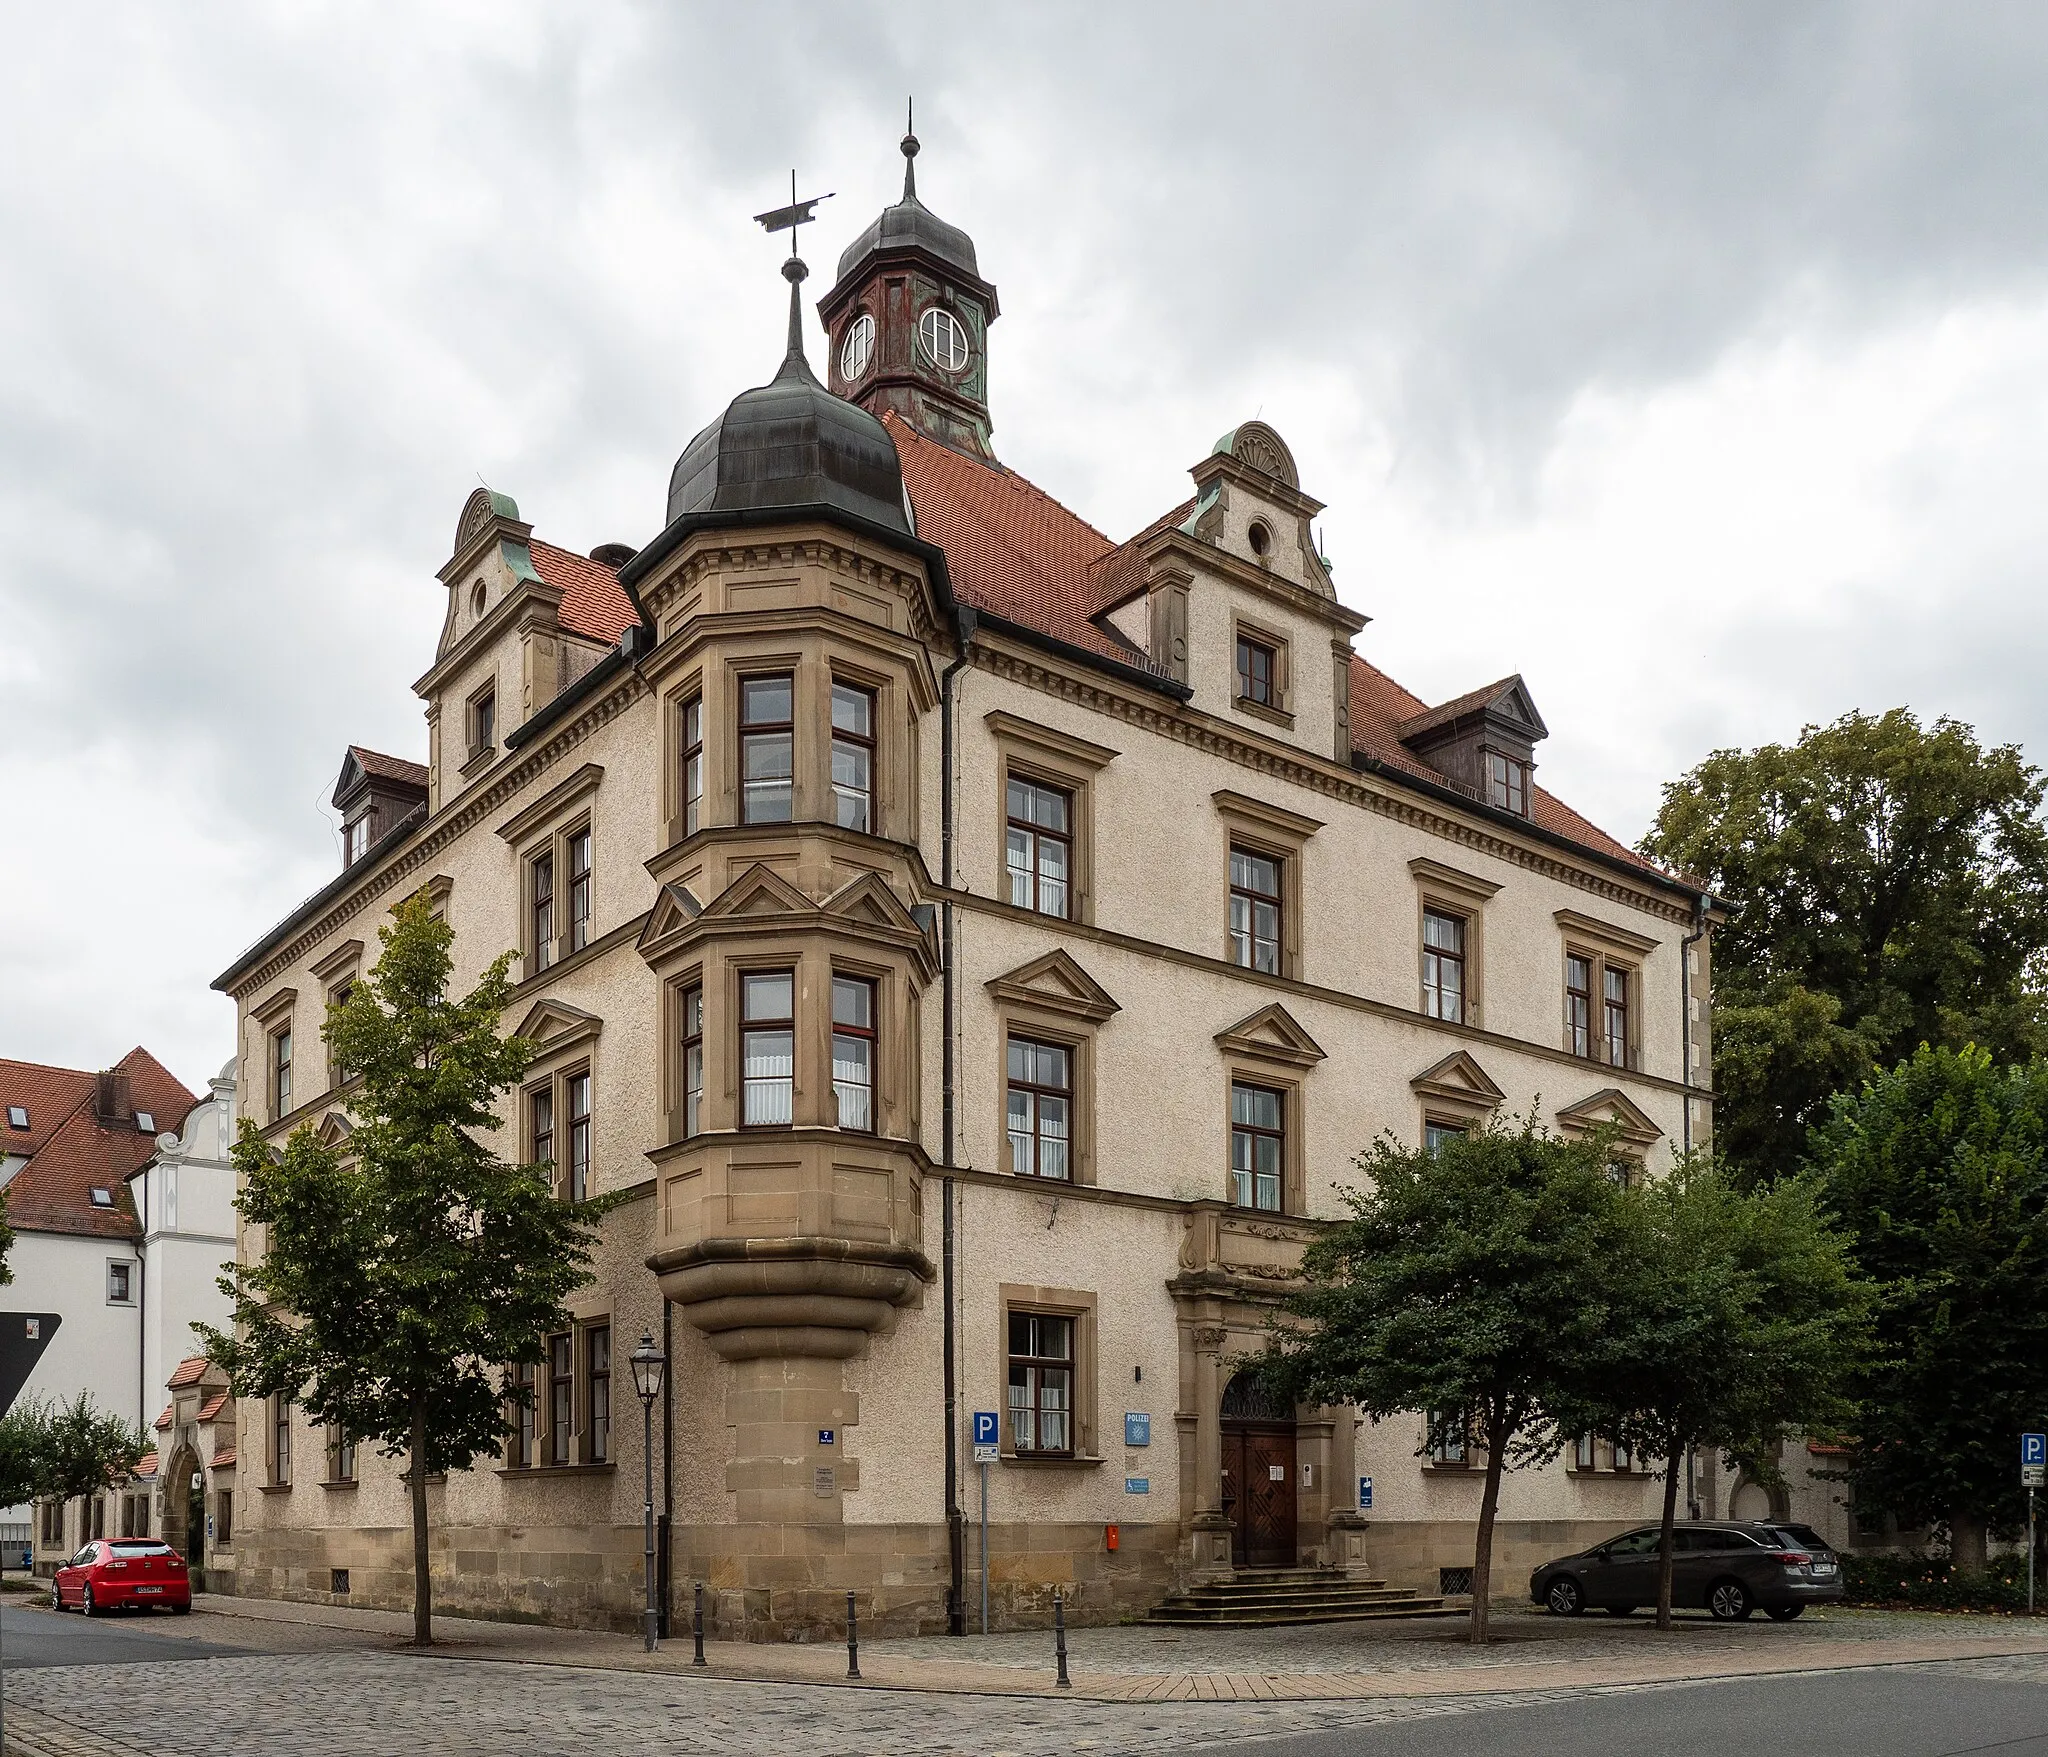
(1055, 982)
(1459, 1082)
(1611, 1105)
(1271, 1034)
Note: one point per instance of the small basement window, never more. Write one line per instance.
(102, 1198)
(145, 1122)
(17, 1116)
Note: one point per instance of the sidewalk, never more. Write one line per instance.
(1331, 1662)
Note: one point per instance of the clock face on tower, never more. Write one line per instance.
(945, 342)
(857, 348)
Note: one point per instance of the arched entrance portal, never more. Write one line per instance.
(1258, 1475)
(185, 1507)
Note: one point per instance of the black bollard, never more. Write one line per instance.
(1059, 1636)
(852, 1641)
(697, 1625)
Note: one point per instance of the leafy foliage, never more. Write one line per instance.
(403, 1272)
(1889, 885)
(74, 1450)
(1479, 1281)
(1932, 1583)
(1741, 1324)
(24, 1431)
(6, 1243)
(1939, 1173)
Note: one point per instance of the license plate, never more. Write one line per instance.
(149, 1589)
(1824, 1567)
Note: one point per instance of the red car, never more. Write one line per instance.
(129, 1573)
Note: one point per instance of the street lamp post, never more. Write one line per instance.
(649, 1363)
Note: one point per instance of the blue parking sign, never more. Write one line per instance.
(985, 1427)
(2034, 1448)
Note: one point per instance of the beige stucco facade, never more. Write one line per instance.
(803, 1275)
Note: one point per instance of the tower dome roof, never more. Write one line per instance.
(792, 443)
(910, 225)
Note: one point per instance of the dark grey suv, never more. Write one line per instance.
(1729, 1570)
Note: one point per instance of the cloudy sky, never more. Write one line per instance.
(1691, 361)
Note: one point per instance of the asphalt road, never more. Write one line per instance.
(37, 1638)
(1917, 1711)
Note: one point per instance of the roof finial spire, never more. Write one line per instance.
(787, 219)
(909, 149)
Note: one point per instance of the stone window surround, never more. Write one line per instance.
(1241, 1069)
(277, 1477)
(1280, 835)
(1058, 760)
(560, 1065)
(1264, 634)
(477, 756)
(340, 969)
(1068, 1020)
(808, 956)
(1605, 947)
(274, 1015)
(545, 828)
(1447, 891)
(1060, 1302)
(581, 1323)
(813, 668)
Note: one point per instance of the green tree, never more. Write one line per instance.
(1888, 886)
(1474, 1284)
(24, 1443)
(6, 1244)
(1742, 1324)
(84, 1452)
(402, 1274)
(1938, 1172)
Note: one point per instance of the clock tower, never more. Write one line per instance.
(908, 317)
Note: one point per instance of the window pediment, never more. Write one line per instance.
(1057, 983)
(760, 890)
(1610, 1106)
(1459, 1082)
(554, 1025)
(339, 962)
(868, 899)
(1605, 935)
(335, 1129)
(1272, 1034)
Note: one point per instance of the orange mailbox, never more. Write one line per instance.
(1109, 1537)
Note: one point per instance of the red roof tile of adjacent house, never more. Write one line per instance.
(80, 1154)
(145, 1465)
(212, 1406)
(49, 1095)
(380, 767)
(163, 1422)
(594, 604)
(190, 1371)
(223, 1457)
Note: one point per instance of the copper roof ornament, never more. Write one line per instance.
(909, 149)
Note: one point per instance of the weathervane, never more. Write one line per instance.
(787, 219)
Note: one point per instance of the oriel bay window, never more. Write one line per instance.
(1041, 1362)
(1255, 904)
(767, 749)
(1443, 965)
(853, 756)
(1258, 1145)
(768, 1048)
(1038, 846)
(853, 1051)
(693, 764)
(1040, 1108)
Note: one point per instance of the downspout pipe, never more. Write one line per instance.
(1700, 906)
(956, 1532)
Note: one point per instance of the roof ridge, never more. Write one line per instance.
(1004, 473)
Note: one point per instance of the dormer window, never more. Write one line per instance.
(355, 840)
(1256, 672)
(1507, 783)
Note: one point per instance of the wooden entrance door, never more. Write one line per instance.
(1258, 1492)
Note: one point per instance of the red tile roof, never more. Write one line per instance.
(212, 1406)
(49, 1095)
(190, 1371)
(53, 1191)
(223, 1457)
(145, 1465)
(380, 767)
(594, 604)
(1445, 712)
(163, 1422)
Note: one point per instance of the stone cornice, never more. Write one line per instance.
(1100, 694)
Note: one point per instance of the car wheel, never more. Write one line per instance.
(85, 1603)
(1621, 1610)
(1784, 1613)
(1729, 1601)
(1565, 1597)
(56, 1596)
(181, 1610)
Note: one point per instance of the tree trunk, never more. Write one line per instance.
(422, 1579)
(1665, 1546)
(1966, 1543)
(1489, 1502)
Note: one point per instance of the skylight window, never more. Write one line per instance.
(145, 1122)
(17, 1116)
(102, 1198)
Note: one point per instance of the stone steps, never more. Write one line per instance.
(1292, 1595)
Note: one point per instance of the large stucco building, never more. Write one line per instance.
(979, 948)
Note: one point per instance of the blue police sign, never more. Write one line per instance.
(1137, 1428)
